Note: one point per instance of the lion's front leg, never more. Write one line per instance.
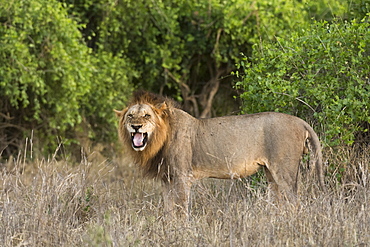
(176, 196)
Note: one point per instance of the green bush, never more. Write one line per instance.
(321, 71)
(50, 81)
(45, 68)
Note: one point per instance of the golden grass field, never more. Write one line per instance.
(63, 203)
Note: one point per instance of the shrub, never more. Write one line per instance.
(49, 79)
(320, 71)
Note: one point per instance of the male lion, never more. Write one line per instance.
(169, 144)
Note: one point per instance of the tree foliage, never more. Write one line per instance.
(187, 49)
(48, 76)
(321, 70)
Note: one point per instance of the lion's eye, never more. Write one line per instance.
(147, 116)
(129, 116)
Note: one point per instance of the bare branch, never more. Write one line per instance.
(7, 117)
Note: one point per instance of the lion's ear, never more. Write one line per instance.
(161, 108)
(120, 113)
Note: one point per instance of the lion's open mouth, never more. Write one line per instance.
(139, 140)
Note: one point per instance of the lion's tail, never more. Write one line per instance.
(316, 155)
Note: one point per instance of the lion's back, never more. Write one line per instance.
(245, 138)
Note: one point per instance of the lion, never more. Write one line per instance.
(169, 144)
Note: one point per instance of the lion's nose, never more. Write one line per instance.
(136, 127)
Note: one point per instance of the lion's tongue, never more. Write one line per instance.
(138, 139)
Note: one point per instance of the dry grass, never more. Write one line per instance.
(58, 203)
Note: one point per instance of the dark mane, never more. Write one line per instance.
(144, 97)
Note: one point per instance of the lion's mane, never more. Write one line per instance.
(150, 160)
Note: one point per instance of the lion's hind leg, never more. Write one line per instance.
(282, 182)
(273, 192)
